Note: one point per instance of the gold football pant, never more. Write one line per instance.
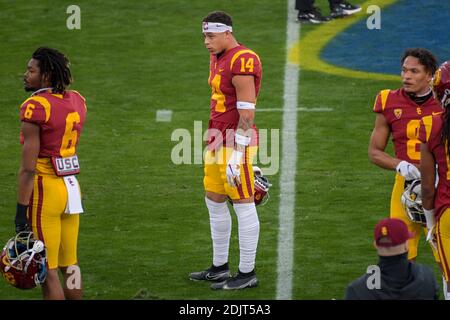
(398, 212)
(443, 242)
(58, 231)
(215, 179)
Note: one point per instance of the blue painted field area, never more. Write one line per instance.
(405, 24)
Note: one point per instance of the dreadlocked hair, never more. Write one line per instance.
(55, 66)
(445, 137)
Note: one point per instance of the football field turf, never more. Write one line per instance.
(145, 225)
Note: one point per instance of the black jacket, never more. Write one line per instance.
(400, 280)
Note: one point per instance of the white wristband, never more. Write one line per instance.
(242, 140)
(429, 215)
(245, 105)
(236, 157)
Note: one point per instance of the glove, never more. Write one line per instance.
(21, 220)
(408, 171)
(234, 169)
(431, 224)
(22, 228)
(431, 238)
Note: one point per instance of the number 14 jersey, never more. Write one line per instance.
(224, 114)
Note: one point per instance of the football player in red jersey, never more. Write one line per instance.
(49, 200)
(398, 115)
(235, 78)
(434, 133)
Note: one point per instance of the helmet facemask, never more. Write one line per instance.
(412, 202)
(262, 186)
(23, 261)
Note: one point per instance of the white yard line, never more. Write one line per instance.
(288, 162)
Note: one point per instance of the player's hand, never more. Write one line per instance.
(431, 226)
(234, 169)
(431, 237)
(22, 227)
(408, 171)
(21, 221)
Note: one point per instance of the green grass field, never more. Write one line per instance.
(145, 225)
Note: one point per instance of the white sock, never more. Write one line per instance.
(220, 222)
(248, 224)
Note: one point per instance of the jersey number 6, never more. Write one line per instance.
(70, 137)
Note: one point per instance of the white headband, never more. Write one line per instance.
(215, 27)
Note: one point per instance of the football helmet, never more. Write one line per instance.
(412, 202)
(262, 186)
(23, 262)
(441, 84)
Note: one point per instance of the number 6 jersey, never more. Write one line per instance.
(224, 114)
(403, 116)
(60, 118)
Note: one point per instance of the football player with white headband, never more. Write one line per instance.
(235, 78)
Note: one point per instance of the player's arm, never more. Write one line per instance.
(246, 98)
(378, 143)
(428, 178)
(428, 174)
(245, 93)
(378, 156)
(30, 153)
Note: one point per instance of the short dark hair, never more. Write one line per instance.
(219, 16)
(426, 58)
(55, 66)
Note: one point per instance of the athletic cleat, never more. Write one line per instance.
(344, 9)
(239, 281)
(313, 16)
(211, 274)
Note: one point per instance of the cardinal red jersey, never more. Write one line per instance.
(430, 132)
(224, 114)
(403, 116)
(60, 117)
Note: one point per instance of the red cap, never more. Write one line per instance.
(391, 232)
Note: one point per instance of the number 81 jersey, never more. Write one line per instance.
(60, 117)
(403, 116)
(236, 61)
